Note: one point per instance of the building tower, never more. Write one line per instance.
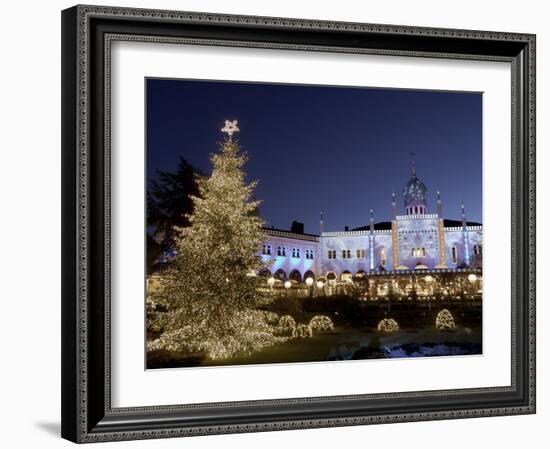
(465, 242)
(414, 195)
(394, 243)
(441, 233)
(371, 240)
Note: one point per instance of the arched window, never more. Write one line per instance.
(281, 251)
(332, 254)
(295, 276)
(453, 254)
(419, 252)
(266, 250)
(296, 253)
(477, 250)
(280, 274)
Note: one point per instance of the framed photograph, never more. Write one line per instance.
(283, 223)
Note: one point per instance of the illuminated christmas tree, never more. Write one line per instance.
(213, 293)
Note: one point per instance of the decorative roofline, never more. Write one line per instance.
(468, 228)
(421, 271)
(351, 233)
(421, 216)
(291, 235)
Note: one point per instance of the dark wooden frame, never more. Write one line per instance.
(87, 32)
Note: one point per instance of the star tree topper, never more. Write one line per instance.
(230, 128)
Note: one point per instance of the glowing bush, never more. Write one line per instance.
(287, 322)
(444, 320)
(388, 326)
(271, 318)
(321, 323)
(302, 331)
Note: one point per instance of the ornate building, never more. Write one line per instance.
(415, 240)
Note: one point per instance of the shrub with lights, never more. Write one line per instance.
(388, 326)
(321, 323)
(271, 317)
(444, 320)
(302, 331)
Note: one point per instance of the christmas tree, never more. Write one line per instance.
(214, 289)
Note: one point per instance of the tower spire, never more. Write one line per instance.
(321, 224)
(393, 206)
(413, 163)
(371, 240)
(371, 220)
(439, 205)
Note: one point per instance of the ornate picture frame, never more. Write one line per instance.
(87, 35)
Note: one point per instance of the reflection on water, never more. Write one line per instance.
(404, 344)
(431, 350)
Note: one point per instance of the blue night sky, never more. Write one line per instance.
(342, 150)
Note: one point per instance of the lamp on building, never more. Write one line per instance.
(309, 283)
(473, 281)
(288, 284)
(271, 282)
(429, 279)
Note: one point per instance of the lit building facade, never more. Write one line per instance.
(414, 240)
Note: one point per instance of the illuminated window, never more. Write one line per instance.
(383, 257)
(266, 250)
(453, 254)
(281, 251)
(296, 253)
(419, 252)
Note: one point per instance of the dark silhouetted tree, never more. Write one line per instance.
(169, 202)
